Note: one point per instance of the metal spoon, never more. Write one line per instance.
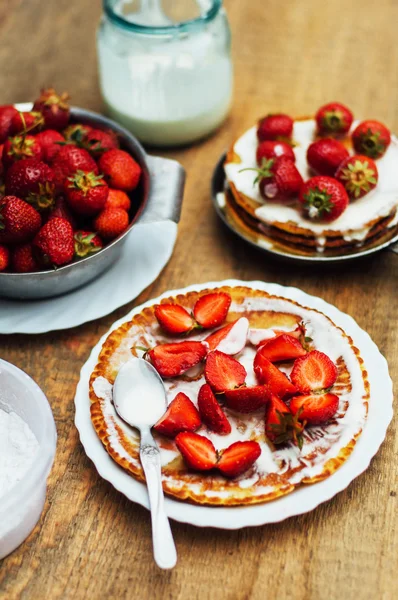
(140, 399)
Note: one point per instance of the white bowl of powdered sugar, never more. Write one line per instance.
(27, 448)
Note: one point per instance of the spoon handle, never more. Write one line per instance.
(164, 549)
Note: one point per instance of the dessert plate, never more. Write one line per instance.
(300, 501)
(146, 252)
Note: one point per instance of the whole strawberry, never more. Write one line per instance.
(334, 119)
(371, 138)
(19, 148)
(86, 193)
(6, 114)
(24, 122)
(19, 221)
(69, 160)
(359, 175)
(111, 222)
(278, 179)
(86, 243)
(61, 210)
(54, 108)
(23, 260)
(118, 199)
(4, 258)
(76, 133)
(31, 180)
(120, 170)
(98, 141)
(272, 149)
(50, 140)
(54, 244)
(323, 198)
(275, 127)
(326, 155)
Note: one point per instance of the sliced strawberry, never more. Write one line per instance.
(174, 318)
(171, 360)
(247, 399)
(181, 415)
(215, 338)
(211, 309)
(211, 412)
(222, 372)
(315, 408)
(238, 457)
(314, 372)
(276, 381)
(231, 339)
(198, 451)
(283, 347)
(280, 423)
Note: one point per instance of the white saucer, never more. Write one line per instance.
(145, 253)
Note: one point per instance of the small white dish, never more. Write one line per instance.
(22, 505)
(305, 498)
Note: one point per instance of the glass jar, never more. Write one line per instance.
(168, 82)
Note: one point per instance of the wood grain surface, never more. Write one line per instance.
(91, 542)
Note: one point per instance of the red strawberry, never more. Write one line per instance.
(323, 198)
(171, 360)
(118, 199)
(54, 108)
(313, 372)
(97, 141)
(24, 122)
(32, 180)
(181, 415)
(4, 258)
(222, 372)
(211, 309)
(69, 160)
(7, 112)
(211, 412)
(23, 260)
(86, 193)
(61, 209)
(76, 133)
(215, 338)
(1, 161)
(19, 221)
(247, 399)
(120, 169)
(238, 457)
(198, 451)
(279, 179)
(326, 155)
(174, 318)
(276, 381)
(20, 147)
(271, 149)
(49, 142)
(334, 118)
(315, 408)
(280, 423)
(371, 138)
(230, 339)
(111, 222)
(54, 243)
(280, 348)
(275, 127)
(86, 243)
(358, 174)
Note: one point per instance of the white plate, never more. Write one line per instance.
(146, 252)
(303, 499)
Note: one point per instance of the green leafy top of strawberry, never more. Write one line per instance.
(358, 177)
(333, 120)
(44, 198)
(84, 181)
(372, 143)
(264, 171)
(318, 202)
(288, 428)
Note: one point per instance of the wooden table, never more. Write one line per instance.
(91, 541)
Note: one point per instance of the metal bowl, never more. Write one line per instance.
(160, 194)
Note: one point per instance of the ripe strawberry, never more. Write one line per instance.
(86, 193)
(118, 199)
(334, 118)
(247, 399)
(61, 209)
(275, 127)
(326, 155)
(181, 415)
(18, 220)
(231, 339)
(31, 180)
(279, 179)
(238, 457)
(24, 122)
(171, 360)
(174, 318)
(211, 309)
(358, 174)
(120, 170)
(6, 114)
(197, 450)
(86, 243)
(54, 243)
(315, 408)
(313, 372)
(111, 222)
(271, 149)
(211, 412)
(4, 258)
(97, 141)
(21, 147)
(76, 133)
(280, 423)
(281, 348)
(54, 108)
(371, 138)
(69, 160)
(323, 198)
(215, 338)
(222, 372)
(276, 381)
(49, 142)
(23, 260)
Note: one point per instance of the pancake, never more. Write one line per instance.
(279, 469)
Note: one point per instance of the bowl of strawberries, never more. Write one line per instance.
(73, 184)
